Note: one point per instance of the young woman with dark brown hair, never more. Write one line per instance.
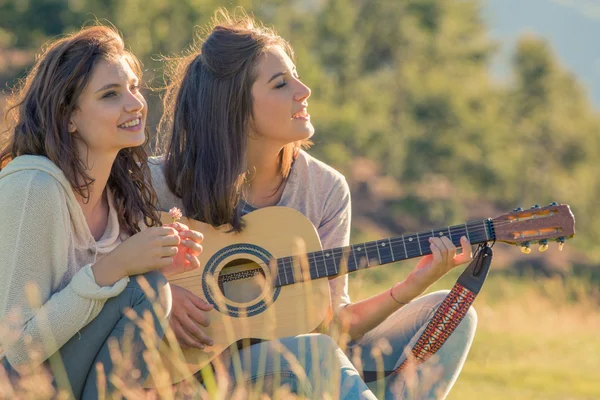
(78, 223)
(236, 119)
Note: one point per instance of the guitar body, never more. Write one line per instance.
(236, 278)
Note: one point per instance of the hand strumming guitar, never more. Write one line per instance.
(188, 314)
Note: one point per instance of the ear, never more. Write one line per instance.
(72, 127)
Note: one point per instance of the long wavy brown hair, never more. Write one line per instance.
(38, 113)
(207, 112)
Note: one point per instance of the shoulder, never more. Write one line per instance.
(31, 182)
(166, 198)
(32, 197)
(156, 165)
(319, 174)
(317, 189)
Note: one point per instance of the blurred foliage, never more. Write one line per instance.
(404, 83)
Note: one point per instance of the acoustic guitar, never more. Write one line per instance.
(271, 280)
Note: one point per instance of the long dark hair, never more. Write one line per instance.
(207, 111)
(38, 114)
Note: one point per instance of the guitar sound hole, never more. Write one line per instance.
(242, 281)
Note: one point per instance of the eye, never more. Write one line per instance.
(281, 84)
(135, 88)
(107, 95)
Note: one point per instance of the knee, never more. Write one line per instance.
(322, 344)
(155, 288)
(427, 305)
(436, 298)
(155, 279)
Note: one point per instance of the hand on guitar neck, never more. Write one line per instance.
(361, 317)
(433, 266)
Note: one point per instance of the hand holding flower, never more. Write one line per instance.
(188, 249)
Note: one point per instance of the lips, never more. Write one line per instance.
(303, 114)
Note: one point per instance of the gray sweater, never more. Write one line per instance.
(316, 190)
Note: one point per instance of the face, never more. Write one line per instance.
(111, 111)
(280, 101)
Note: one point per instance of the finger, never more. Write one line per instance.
(178, 226)
(194, 330)
(192, 235)
(166, 230)
(197, 315)
(195, 248)
(170, 240)
(185, 340)
(450, 246)
(441, 248)
(448, 243)
(437, 254)
(192, 264)
(465, 244)
(445, 250)
(466, 255)
(200, 303)
(168, 251)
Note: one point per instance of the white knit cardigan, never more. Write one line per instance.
(47, 288)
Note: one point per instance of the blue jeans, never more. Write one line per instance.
(310, 365)
(384, 348)
(328, 370)
(91, 346)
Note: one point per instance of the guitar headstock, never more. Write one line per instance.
(535, 225)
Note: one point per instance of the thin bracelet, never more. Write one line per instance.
(393, 298)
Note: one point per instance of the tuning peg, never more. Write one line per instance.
(536, 206)
(561, 243)
(543, 245)
(518, 209)
(554, 203)
(525, 248)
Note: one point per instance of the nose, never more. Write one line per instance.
(134, 102)
(302, 93)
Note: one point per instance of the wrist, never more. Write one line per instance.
(402, 303)
(167, 273)
(107, 274)
(403, 292)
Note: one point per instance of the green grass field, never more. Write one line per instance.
(537, 338)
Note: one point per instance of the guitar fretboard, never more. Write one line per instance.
(342, 260)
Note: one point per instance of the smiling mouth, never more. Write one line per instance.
(302, 114)
(131, 124)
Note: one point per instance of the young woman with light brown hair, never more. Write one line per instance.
(236, 119)
(79, 229)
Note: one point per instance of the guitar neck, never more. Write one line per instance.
(342, 260)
